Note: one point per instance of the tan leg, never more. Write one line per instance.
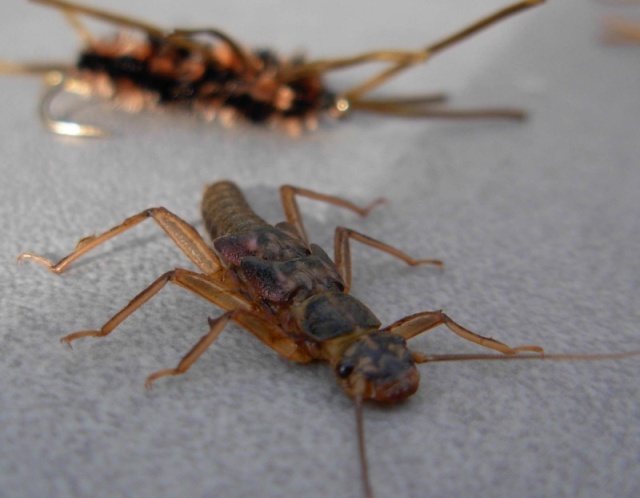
(239, 310)
(292, 211)
(82, 31)
(121, 315)
(413, 325)
(268, 333)
(195, 282)
(263, 328)
(70, 7)
(403, 59)
(183, 234)
(342, 257)
(215, 329)
(420, 56)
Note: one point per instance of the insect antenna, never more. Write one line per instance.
(69, 7)
(178, 37)
(364, 465)
(402, 60)
(422, 358)
(355, 93)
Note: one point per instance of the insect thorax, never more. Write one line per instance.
(333, 314)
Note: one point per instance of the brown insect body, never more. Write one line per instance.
(183, 68)
(289, 294)
(299, 286)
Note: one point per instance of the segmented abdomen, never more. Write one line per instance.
(225, 211)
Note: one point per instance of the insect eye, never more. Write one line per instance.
(344, 370)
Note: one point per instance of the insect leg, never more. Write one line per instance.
(215, 328)
(266, 332)
(134, 304)
(183, 234)
(292, 211)
(177, 37)
(426, 53)
(103, 15)
(216, 293)
(83, 33)
(342, 257)
(401, 59)
(412, 325)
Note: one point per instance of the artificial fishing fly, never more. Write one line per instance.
(209, 73)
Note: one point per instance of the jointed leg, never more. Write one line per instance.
(354, 100)
(207, 288)
(215, 328)
(218, 294)
(264, 329)
(402, 59)
(121, 315)
(342, 248)
(424, 54)
(341, 242)
(292, 211)
(73, 9)
(195, 282)
(183, 234)
(413, 325)
(103, 15)
(84, 34)
(268, 333)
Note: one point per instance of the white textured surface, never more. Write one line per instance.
(538, 223)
